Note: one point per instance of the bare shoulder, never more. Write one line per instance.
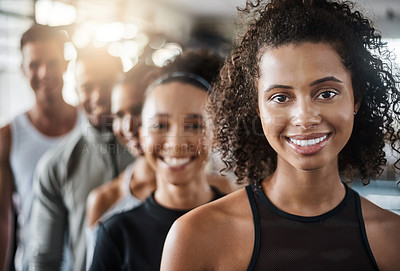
(230, 207)
(382, 227)
(224, 183)
(215, 235)
(102, 198)
(5, 143)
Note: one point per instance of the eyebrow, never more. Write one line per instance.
(136, 109)
(160, 115)
(193, 116)
(325, 79)
(316, 82)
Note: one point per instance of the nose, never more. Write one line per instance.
(305, 114)
(175, 143)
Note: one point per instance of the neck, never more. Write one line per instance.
(305, 193)
(50, 101)
(50, 110)
(142, 181)
(53, 119)
(142, 169)
(185, 196)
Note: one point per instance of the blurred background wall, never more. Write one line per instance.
(154, 31)
(135, 30)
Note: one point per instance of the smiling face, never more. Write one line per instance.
(95, 82)
(306, 104)
(43, 64)
(172, 135)
(126, 107)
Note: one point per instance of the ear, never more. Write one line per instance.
(140, 135)
(22, 69)
(357, 105)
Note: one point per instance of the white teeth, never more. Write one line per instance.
(309, 142)
(173, 161)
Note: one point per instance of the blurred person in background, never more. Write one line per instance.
(31, 134)
(137, 182)
(175, 142)
(84, 160)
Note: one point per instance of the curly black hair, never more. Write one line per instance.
(234, 103)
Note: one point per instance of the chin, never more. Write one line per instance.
(310, 165)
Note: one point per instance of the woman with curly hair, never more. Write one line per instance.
(307, 97)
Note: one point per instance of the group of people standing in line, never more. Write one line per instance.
(308, 98)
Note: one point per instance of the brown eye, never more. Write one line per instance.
(280, 98)
(326, 95)
(159, 126)
(193, 126)
(119, 115)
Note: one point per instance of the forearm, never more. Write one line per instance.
(6, 216)
(6, 233)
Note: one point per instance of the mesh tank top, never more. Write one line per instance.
(335, 240)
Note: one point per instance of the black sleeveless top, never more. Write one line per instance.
(333, 241)
(134, 240)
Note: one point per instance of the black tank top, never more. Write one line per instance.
(333, 241)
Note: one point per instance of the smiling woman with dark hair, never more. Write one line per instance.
(308, 96)
(175, 143)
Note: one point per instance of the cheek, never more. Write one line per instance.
(344, 122)
(32, 77)
(203, 147)
(272, 121)
(151, 144)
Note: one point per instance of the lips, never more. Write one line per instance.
(174, 161)
(177, 163)
(308, 144)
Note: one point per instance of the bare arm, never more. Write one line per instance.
(102, 199)
(216, 236)
(182, 250)
(382, 227)
(6, 190)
